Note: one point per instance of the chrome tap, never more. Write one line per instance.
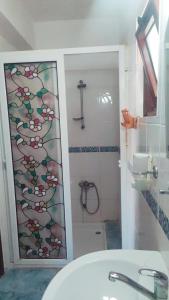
(160, 283)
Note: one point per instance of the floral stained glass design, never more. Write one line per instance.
(33, 109)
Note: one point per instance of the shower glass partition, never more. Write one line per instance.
(35, 143)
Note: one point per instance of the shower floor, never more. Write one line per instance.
(88, 237)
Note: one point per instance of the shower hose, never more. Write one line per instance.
(85, 187)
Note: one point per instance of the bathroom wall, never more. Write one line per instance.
(5, 45)
(94, 151)
(7, 247)
(151, 209)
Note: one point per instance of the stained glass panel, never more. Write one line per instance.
(34, 121)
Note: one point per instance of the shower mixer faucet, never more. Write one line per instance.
(85, 186)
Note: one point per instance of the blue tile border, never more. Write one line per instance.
(151, 202)
(157, 211)
(87, 149)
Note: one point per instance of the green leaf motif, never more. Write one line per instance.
(22, 202)
(9, 66)
(48, 240)
(39, 111)
(36, 235)
(25, 125)
(41, 92)
(44, 177)
(30, 111)
(44, 163)
(22, 234)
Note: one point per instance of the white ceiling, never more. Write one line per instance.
(50, 10)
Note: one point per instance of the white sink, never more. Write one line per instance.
(86, 278)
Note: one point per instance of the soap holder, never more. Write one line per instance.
(154, 172)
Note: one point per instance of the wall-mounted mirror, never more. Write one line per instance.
(166, 84)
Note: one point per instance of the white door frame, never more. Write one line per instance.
(54, 55)
(21, 57)
(122, 104)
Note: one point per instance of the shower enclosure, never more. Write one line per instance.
(36, 202)
(94, 152)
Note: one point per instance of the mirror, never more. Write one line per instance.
(166, 84)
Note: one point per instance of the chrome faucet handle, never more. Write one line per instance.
(160, 282)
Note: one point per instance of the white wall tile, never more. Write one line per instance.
(101, 110)
(153, 139)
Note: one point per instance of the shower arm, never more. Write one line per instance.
(81, 86)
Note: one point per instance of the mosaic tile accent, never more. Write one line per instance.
(164, 222)
(151, 202)
(85, 149)
(90, 149)
(157, 211)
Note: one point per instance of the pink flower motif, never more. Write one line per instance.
(35, 142)
(23, 93)
(31, 72)
(48, 114)
(35, 125)
(44, 252)
(56, 243)
(33, 225)
(52, 181)
(40, 191)
(29, 162)
(40, 206)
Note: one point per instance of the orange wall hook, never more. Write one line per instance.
(129, 120)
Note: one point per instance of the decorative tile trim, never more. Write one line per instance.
(94, 149)
(151, 202)
(164, 222)
(158, 212)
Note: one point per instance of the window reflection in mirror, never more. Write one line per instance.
(148, 41)
(152, 44)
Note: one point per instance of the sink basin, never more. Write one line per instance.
(86, 278)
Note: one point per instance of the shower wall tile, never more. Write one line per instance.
(163, 145)
(101, 108)
(153, 138)
(94, 151)
(142, 138)
(152, 230)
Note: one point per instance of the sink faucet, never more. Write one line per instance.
(160, 283)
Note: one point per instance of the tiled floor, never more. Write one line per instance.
(113, 235)
(25, 284)
(30, 284)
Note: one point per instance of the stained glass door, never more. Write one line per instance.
(37, 156)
